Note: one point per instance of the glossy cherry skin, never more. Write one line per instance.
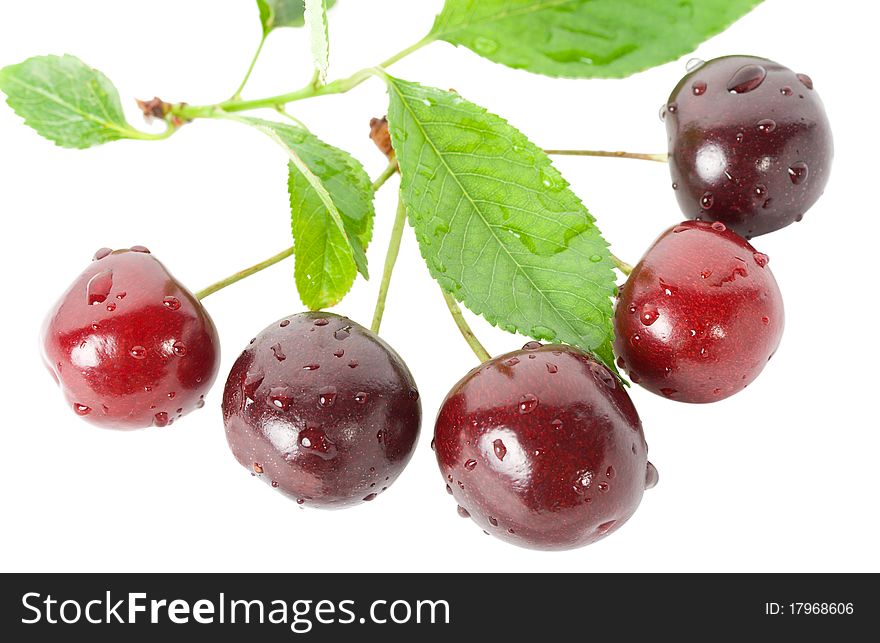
(543, 448)
(749, 144)
(323, 410)
(130, 346)
(700, 315)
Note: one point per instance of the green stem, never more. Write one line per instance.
(387, 173)
(660, 158)
(237, 95)
(466, 332)
(390, 260)
(284, 254)
(340, 86)
(621, 265)
(280, 109)
(247, 272)
(138, 135)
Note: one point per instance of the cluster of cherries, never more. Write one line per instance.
(541, 447)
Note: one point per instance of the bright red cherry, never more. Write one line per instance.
(129, 344)
(699, 316)
(543, 448)
(749, 144)
(323, 410)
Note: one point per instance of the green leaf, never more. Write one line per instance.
(283, 13)
(67, 102)
(584, 38)
(316, 19)
(496, 222)
(331, 204)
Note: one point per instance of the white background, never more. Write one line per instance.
(783, 476)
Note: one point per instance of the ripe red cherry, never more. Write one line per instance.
(323, 410)
(749, 144)
(543, 448)
(129, 344)
(699, 316)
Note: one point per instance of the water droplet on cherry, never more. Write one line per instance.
(98, 288)
(766, 125)
(649, 314)
(798, 172)
(280, 397)
(746, 79)
(707, 200)
(527, 403)
(317, 442)
(652, 477)
(327, 396)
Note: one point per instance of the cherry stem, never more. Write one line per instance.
(621, 265)
(339, 86)
(242, 274)
(390, 260)
(284, 254)
(466, 332)
(387, 173)
(280, 109)
(660, 158)
(237, 95)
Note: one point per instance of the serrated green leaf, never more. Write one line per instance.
(497, 224)
(66, 101)
(283, 13)
(584, 38)
(316, 19)
(331, 203)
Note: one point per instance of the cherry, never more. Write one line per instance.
(129, 344)
(322, 409)
(749, 144)
(543, 448)
(699, 316)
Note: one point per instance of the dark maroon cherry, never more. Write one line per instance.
(699, 316)
(129, 345)
(323, 410)
(749, 144)
(543, 448)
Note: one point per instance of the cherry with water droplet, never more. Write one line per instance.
(122, 357)
(714, 335)
(747, 127)
(314, 424)
(522, 475)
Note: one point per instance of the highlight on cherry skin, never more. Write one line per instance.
(699, 316)
(323, 410)
(129, 345)
(543, 448)
(749, 143)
